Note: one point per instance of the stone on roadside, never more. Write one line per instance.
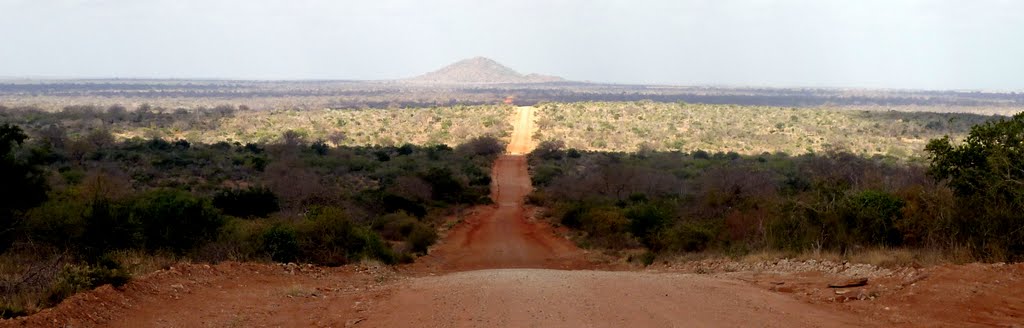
(855, 282)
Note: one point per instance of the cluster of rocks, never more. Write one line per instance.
(843, 296)
(724, 265)
(295, 268)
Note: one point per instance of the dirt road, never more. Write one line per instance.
(499, 268)
(557, 298)
(504, 237)
(522, 133)
(501, 236)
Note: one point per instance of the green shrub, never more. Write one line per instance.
(927, 216)
(647, 218)
(871, 217)
(444, 185)
(328, 237)
(320, 147)
(175, 220)
(8, 311)
(647, 258)
(109, 226)
(88, 229)
(542, 175)
(281, 243)
(549, 150)
(606, 227)
(75, 278)
(395, 226)
(538, 198)
(421, 237)
(486, 146)
(572, 216)
(395, 203)
(60, 221)
(688, 237)
(795, 229)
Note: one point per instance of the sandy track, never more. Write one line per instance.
(557, 298)
(522, 133)
(502, 236)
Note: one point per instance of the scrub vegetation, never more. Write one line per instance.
(965, 201)
(95, 194)
(228, 123)
(79, 212)
(748, 130)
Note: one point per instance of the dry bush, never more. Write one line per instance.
(356, 127)
(86, 129)
(27, 275)
(638, 126)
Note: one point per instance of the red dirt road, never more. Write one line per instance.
(501, 236)
(522, 134)
(500, 268)
(558, 298)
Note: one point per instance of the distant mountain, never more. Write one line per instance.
(480, 70)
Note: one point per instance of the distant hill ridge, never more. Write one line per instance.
(480, 70)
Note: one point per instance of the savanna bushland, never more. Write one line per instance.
(751, 130)
(89, 209)
(106, 181)
(229, 123)
(963, 200)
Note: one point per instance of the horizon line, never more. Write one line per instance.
(45, 78)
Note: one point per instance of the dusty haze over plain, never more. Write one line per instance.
(940, 44)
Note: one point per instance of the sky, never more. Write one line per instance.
(902, 44)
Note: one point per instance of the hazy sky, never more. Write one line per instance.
(923, 44)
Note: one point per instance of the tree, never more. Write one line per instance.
(320, 147)
(989, 160)
(986, 171)
(23, 185)
(247, 203)
(549, 150)
(175, 220)
(871, 218)
(337, 138)
(53, 136)
(116, 113)
(101, 139)
(444, 185)
(293, 138)
(481, 146)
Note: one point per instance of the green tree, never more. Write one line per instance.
(281, 242)
(175, 220)
(21, 182)
(646, 219)
(871, 218)
(986, 171)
